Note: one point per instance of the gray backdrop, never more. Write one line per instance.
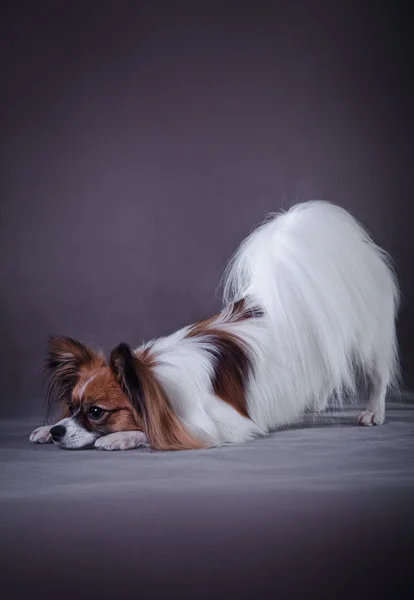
(140, 144)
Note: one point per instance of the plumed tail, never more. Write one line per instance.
(330, 295)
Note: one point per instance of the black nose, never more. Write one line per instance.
(57, 432)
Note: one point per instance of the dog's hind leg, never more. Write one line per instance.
(382, 374)
(374, 414)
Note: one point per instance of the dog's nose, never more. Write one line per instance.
(57, 432)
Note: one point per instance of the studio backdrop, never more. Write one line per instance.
(140, 146)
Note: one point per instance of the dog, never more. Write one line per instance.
(309, 301)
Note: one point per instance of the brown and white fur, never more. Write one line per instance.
(309, 300)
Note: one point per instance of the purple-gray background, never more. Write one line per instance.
(142, 141)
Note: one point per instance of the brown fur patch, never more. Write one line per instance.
(80, 377)
(201, 327)
(99, 387)
(240, 311)
(232, 364)
(235, 313)
(164, 429)
(66, 359)
(161, 425)
(231, 370)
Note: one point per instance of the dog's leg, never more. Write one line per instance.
(382, 367)
(374, 414)
(122, 440)
(41, 435)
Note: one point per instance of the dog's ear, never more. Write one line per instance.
(125, 367)
(147, 396)
(65, 357)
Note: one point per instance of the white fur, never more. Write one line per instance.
(75, 436)
(185, 371)
(122, 440)
(329, 296)
(41, 435)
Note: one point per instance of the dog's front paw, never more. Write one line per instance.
(369, 418)
(122, 440)
(41, 435)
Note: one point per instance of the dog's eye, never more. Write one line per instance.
(70, 407)
(95, 412)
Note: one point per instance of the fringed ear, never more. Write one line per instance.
(162, 427)
(123, 365)
(65, 357)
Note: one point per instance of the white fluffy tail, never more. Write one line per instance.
(330, 295)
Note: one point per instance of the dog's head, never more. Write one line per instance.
(87, 391)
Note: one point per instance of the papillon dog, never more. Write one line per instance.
(310, 301)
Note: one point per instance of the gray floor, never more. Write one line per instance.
(324, 508)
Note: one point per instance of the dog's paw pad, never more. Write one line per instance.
(41, 435)
(368, 418)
